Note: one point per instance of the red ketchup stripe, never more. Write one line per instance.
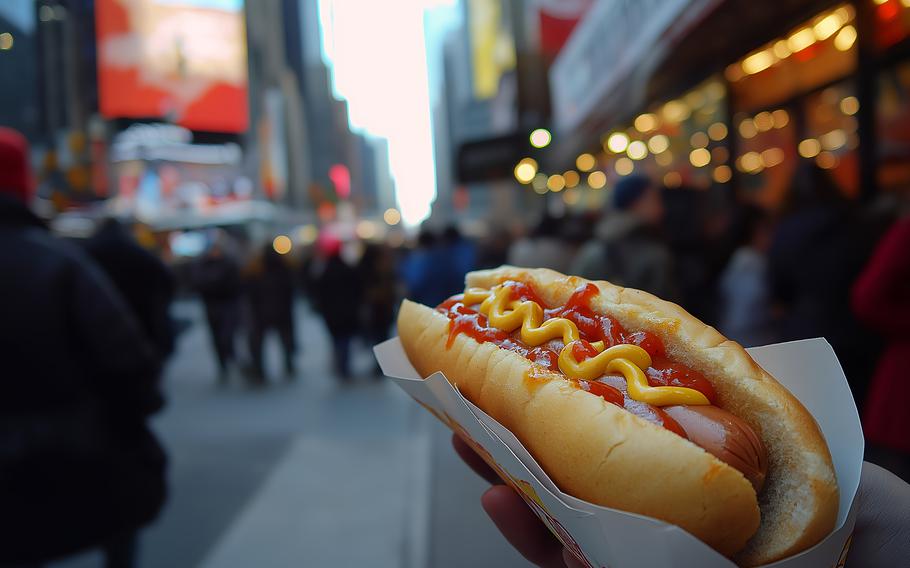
(592, 327)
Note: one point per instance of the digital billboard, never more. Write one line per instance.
(181, 60)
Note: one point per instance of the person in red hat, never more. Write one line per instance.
(78, 466)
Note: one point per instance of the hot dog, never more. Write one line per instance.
(627, 401)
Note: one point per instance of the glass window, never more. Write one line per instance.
(893, 124)
(767, 155)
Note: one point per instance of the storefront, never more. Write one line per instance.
(831, 89)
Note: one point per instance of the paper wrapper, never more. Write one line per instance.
(604, 537)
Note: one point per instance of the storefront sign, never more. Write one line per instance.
(605, 48)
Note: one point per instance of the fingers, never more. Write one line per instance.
(474, 461)
(522, 528)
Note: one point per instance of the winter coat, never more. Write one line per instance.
(144, 281)
(78, 464)
(337, 295)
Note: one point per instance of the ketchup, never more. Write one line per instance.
(664, 372)
(592, 327)
(610, 394)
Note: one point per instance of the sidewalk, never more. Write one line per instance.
(307, 473)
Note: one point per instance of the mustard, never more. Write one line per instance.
(627, 360)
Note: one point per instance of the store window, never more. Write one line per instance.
(818, 52)
(681, 142)
(767, 154)
(893, 127)
(831, 137)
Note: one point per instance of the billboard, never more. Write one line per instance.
(181, 60)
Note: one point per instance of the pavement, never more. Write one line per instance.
(307, 471)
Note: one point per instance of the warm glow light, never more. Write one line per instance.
(747, 128)
(572, 178)
(585, 162)
(646, 122)
(700, 157)
(781, 50)
(556, 183)
(801, 39)
(6, 41)
(780, 118)
(827, 26)
(826, 160)
(366, 229)
(664, 158)
(758, 62)
(763, 121)
(772, 157)
(722, 174)
(540, 138)
(571, 196)
(672, 179)
(539, 183)
(391, 216)
(658, 143)
(717, 131)
(307, 234)
(525, 170)
(809, 148)
(282, 244)
(833, 140)
(699, 140)
(850, 105)
(624, 166)
(637, 150)
(750, 162)
(675, 111)
(618, 142)
(845, 38)
(597, 180)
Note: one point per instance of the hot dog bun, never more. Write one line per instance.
(603, 454)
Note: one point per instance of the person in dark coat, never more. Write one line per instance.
(881, 299)
(817, 252)
(144, 281)
(217, 279)
(380, 285)
(270, 292)
(337, 295)
(79, 467)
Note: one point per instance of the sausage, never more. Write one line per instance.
(725, 436)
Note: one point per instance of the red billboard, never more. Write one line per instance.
(181, 60)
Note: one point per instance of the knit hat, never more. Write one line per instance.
(15, 171)
(628, 190)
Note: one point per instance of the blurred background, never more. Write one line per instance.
(254, 185)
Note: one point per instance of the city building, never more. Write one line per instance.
(737, 95)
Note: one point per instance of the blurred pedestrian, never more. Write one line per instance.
(457, 256)
(216, 276)
(144, 281)
(424, 270)
(627, 248)
(746, 314)
(493, 250)
(543, 248)
(270, 294)
(79, 467)
(337, 295)
(881, 299)
(817, 251)
(380, 285)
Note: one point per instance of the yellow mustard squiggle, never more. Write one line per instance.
(627, 360)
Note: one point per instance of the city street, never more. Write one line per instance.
(307, 472)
